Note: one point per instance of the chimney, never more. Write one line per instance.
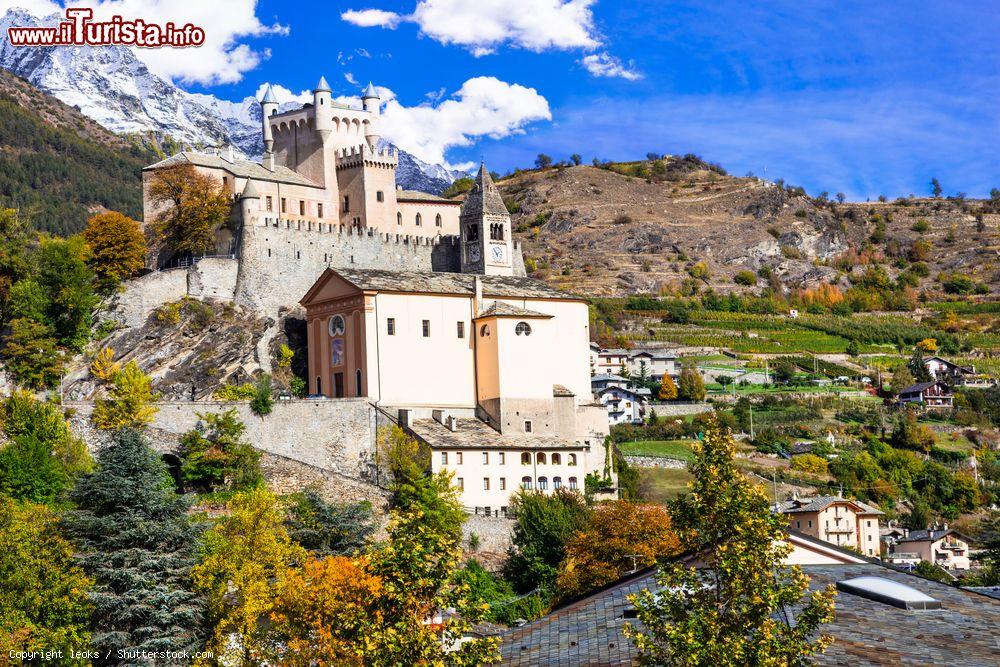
(269, 161)
(404, 418)
(451, 423)
(439, 416)
(477, 295)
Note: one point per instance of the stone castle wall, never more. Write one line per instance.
(336, 436)
(212, 277)
(278, 264)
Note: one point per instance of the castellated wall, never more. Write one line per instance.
(280, 263)
(210, 278)
(332, 436)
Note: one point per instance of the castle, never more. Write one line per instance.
(416, 303)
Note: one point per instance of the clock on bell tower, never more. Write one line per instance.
(487, 247)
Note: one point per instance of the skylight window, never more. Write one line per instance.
(888, 592)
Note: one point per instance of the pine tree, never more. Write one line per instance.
(734, 608)
(917, 366)
(136, 542)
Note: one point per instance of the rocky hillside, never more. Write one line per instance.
(600, 232)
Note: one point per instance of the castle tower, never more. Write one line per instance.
(249, 204)
(484, 224)
(268, 107)
(322, 102)
(370, 102)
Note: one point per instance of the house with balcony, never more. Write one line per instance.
(945, 547)
(933, 395)
(625, 405)
(840, 521)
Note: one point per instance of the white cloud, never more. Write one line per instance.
(483, 106)
(484, 25)
(369, 18)
(349, 78)
(284, 95)
(605, 64)
(223, 58)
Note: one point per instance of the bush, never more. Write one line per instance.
(263, 399)
(215, 455)
(745, 278)
(810, 463)
(235, 392)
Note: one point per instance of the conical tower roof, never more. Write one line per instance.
(269, 97)
(250, 192)
(484, 197)
(322, 86)
(369, 91)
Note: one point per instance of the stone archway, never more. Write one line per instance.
(173, 463)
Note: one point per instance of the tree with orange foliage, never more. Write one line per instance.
(192, 207)
(325, 611)
(824, 295)
(117, 247)
(620, 537)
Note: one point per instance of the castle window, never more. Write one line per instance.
(357, 381)
(543, 483)
(503, 483)
(486, 458)
(556, 459)
(379, 196)
(225, 182)
(526, 483)
(284, 207)
(540, 456)
(319, 210)
(399, 218)
(426, 327)
(486, 483)
(460, 483)
(390, 326)
(572, 483)
(319, 385)
(270, 203)
(525, 459)
(496, 231)
(268, 252)
(337, 325)
(501, 458)
(419, 220)
(522, 329)
(298, 254)
(302, 207)
(572, 459)
(527, 429)
(458, 458)
(472, 233)
(484, 331)
(461, 329)
(437, 220)
(347, 203)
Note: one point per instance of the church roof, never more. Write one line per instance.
(484, 197)
(369, 91)
(501, 309)
(430, 282)
(269, 97)
(417, 195)
(238, 168)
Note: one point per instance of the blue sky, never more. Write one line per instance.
(866, 98)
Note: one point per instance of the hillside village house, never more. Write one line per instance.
(950, 372)
(845, 523)
(625, 405)
(933, 395)
(601, 382)
(654, 363)
(944, 547)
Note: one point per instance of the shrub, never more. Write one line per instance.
(745, 278)
(810, 463)
(921, 226)
(263, 399)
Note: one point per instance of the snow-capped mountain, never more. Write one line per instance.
(113, 87)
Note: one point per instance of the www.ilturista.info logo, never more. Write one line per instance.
(80, 30)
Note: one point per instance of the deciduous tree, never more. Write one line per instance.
(194, 206)
(691, 387)
(31, 354)
(117, 247)
(215, 455)
(735, 606)
(543, 525)
(129, 403)
(668, 390)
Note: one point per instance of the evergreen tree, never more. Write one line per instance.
(215, 454)
(136, 542)
(917, 367)
(734, 607)
(329, 530)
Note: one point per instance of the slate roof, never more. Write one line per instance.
(925, 535)
(919, 387)
(501, 309)
(484, 197)
(589, 632)
(472, 433)
(607, 377)
(450, 283)
(240, 168)
(417, 195)
(820, 503)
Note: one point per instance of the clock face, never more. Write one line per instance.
(498, 253)
(474, 253)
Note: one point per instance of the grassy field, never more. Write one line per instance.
(660, 485)
(669, 449)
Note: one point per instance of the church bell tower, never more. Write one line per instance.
(484, 224)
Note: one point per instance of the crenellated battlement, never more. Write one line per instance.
(363, 155)
(325, 229)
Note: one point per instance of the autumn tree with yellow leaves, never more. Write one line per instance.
(733, 605)
(192, 206)
(117, 247)
(130, 395)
